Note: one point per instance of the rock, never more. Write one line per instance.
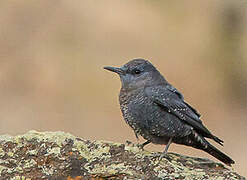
(59, 155)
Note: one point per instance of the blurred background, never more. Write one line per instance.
(52, 54)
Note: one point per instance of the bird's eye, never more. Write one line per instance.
(137, 71)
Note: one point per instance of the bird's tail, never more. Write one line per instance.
(218, 140)
(197, 141)
(218, 154)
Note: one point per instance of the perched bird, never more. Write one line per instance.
(157, 111)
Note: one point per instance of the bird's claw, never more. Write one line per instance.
(140, 146)
(159, 155)
(163, 155)
(128, 142)
(155, 155)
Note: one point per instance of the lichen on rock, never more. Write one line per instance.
(59, 155)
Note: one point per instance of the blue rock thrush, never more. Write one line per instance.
(157, 111)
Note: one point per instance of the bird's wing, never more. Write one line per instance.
(174, 90)
(172, 101)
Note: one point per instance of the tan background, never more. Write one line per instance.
(52, 54)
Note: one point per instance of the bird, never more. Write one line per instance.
(157, 111)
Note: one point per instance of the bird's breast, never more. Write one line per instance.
(136, 108)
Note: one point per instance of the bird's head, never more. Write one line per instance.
(137, 73)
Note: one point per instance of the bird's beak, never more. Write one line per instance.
(114, 69)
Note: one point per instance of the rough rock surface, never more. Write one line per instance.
(59, 155)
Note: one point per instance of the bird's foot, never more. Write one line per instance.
(140, 146)
(159, 156)
(163, 155)
(129, 142)
(155, 155)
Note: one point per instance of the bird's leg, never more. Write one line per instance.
(129, 142)
(141, 146)
(160, 156)
(166, 149)
(137, 136)
(167, 146)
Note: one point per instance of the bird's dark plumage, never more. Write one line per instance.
(157, 111)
